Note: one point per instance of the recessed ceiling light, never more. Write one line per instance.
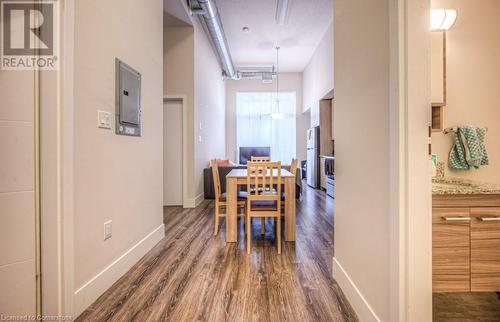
(245, 29)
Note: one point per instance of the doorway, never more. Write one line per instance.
(173, 186)
(465, 176)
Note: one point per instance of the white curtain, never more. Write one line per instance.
(256, 127)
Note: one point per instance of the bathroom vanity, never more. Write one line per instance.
(465, 236)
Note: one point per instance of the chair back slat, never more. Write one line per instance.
(260, 159)
(215, 174)
(293, 167)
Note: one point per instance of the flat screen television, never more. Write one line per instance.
(247, 152)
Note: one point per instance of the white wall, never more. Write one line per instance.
(17, 193)
(178, 79)
(362, 99)
(382, 217)
(318, 76)
(192, 69)
(115, 177)
(473, 79)
(291, 82)
(209, 106)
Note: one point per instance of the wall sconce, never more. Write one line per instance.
(442, 19)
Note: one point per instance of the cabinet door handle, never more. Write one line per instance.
(489, 218)
(456, 218)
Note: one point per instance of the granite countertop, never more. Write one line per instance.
(457, 186)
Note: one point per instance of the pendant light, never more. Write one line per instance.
(277, 115)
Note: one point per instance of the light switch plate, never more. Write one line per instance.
(103, 119)
(108, 229)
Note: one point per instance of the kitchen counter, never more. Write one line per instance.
(456, 186)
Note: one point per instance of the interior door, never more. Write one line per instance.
(172, 153)
(18, 191)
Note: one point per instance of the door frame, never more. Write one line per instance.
(410, 198)
(183, 100)
(57, 152)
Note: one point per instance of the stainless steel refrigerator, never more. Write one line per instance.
(313, 157)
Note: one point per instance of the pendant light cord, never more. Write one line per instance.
(277, 77)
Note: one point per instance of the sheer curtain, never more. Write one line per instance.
(256, 127)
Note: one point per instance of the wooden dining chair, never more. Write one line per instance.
(221, 199)
(264, 196)
(260, 159)
(293, 170)
(294, 167)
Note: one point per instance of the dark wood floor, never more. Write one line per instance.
(193, 276)
(466, 307)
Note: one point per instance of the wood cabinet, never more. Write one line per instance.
(485, 249)
(451, 250)
(438, 68)
(322, 173)
(332, 120)
(466, 244)
(438, 78)
(325, 127)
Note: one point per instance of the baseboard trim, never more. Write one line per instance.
(194, 202)
(199, 199)
(353, 295)
(90, 291)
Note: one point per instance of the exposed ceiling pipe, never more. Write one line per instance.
(282, 11)
(208, 11)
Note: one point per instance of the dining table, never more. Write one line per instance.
(238, 177)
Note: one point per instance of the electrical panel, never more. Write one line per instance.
(128, 100)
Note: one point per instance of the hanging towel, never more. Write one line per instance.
(469, 149)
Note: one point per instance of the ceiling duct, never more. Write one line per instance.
(264, 73)
(208, 11)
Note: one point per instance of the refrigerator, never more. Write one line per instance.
(313, 157)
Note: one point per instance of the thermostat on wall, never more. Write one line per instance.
(128, 100)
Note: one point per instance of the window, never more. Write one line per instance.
(256, 127)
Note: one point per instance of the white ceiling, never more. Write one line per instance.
(177, 13)
(306, 24)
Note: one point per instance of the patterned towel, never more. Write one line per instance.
(469, 149)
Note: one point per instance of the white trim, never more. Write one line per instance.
(184, 100)
(194, 202)
(90, 291)
(398, 133)
(356, 299)
(199, 199)
(65, 227)
(411, 268)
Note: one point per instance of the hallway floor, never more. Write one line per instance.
(193, 276)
